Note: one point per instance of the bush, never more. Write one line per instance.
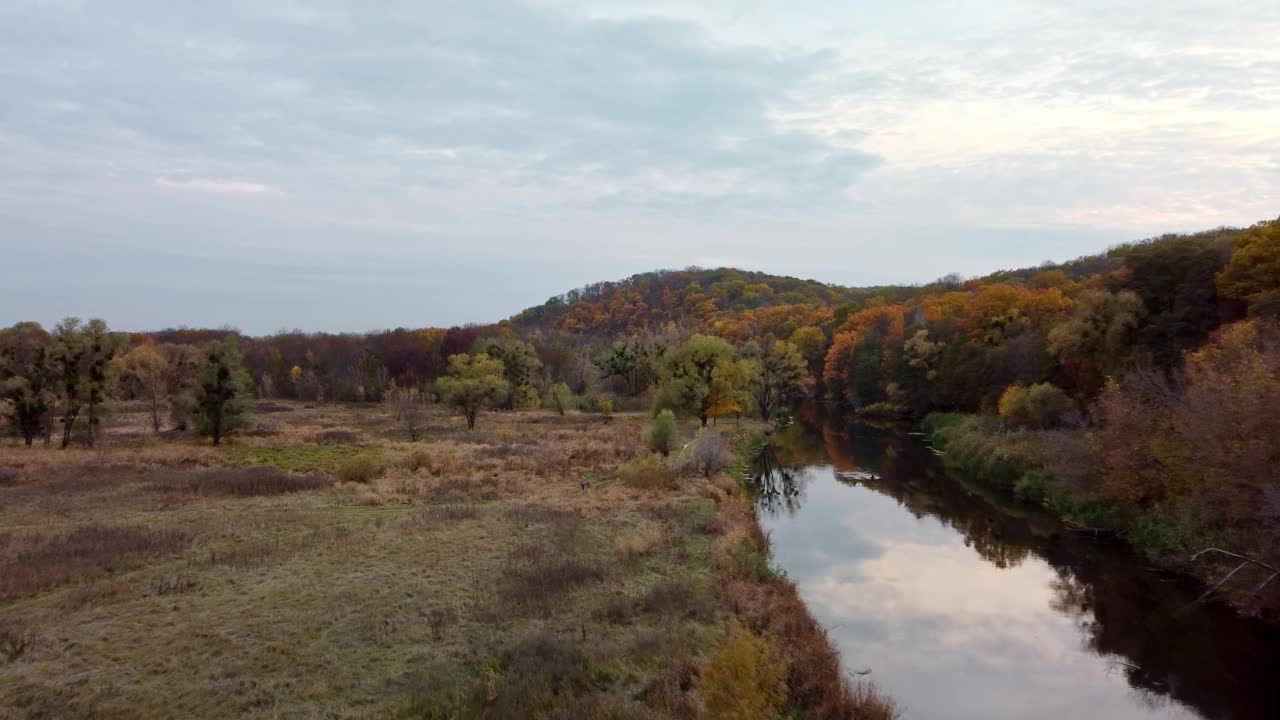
(14, 642)
(416, 460)
(525, 397)
(663, 436)
(710, 454)
(743, 678)
(359, 469)
(604, 406)
(649, 473)
(1040, 406)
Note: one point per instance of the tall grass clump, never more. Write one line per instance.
(360, 469)
(649, 473)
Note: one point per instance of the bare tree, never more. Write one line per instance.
(409, 409)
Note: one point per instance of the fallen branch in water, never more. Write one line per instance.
(1245, 562)
(1096, 532)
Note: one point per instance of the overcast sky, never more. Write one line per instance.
(359, 165)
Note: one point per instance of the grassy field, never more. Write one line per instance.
(320, 566)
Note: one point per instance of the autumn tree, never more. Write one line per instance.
(776, 377)
(1174, 278)
(471, 382)
(520, 366)
(82, 362)
(148, 370)
(27, 377)
(1096, 338)
(699, 376)
(622, 361)
(1040, 406)
(559, 397)
(222, 391)
(1253, 273)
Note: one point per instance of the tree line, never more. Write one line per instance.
(1040, 342)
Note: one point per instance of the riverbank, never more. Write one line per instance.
(320, 564)
(817, 684)
(966, 605)
(1059, 470)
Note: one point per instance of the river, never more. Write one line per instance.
(964, 605)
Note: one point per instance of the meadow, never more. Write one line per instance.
(319, 565)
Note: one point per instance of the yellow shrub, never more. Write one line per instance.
(743, 679)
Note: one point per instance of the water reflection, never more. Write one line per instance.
(967, 606)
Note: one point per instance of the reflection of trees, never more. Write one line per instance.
(1205, 658)
(778, 487)
(901, 469)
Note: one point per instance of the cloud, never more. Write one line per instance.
(230, 187)
(877, 143)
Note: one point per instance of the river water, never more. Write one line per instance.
(964, 605)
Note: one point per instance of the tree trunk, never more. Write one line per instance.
(93, 422)
(703, 418)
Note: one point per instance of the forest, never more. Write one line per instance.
(1131, 391)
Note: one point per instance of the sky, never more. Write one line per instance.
(354, 166)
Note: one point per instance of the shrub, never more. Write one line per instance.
(14, 642)
(743, 678)
(416, 460)
(1033, 486)
(604, 406)
(1039, 406)
(649, 473)
(663, 435)
(539, 676)
(710, 454)
(359, 469)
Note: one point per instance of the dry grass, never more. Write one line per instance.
(469, 574)
(649, 473)
(640, 542)
(235, 482)
(359, 469)
(36, 563)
